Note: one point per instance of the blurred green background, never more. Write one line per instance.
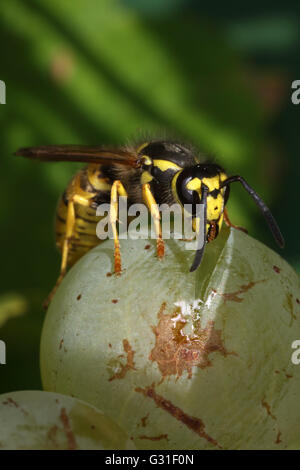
(110, 71)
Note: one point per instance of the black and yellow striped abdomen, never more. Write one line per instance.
(93, 187)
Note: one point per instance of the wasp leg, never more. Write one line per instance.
(117, 189)
(229, 224)
(152, 206)
(70, 224)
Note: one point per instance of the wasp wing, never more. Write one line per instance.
(81, 153)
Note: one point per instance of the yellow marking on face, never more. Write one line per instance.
(214, 207)
(212, 183)
(165, 165)
(146, 177)
(194, 184)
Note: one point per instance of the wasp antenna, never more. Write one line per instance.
(200, 252)
(263, 207)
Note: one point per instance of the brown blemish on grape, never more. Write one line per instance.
(114, 301)
(108, 274)
(147, 247)
(79, 297)
(278, 440)
(51, 436)
(124, 368)
(289, 305)
(276, 269)
(144, 420)
(288, 376)
(194, 424)
(11, 402)
(298, 301)
(234, 296)
(155, 438)
(268, 408)
(72, 445)
(175, 352)
(61, 345)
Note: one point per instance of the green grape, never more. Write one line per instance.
(39, 420)
(181, 360)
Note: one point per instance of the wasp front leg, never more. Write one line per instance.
(117, 189)
(153, 208)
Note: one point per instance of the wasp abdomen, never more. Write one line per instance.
(89, 188)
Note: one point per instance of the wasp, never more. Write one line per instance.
(153, 173)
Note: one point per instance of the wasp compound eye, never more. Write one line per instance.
(186, 196)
